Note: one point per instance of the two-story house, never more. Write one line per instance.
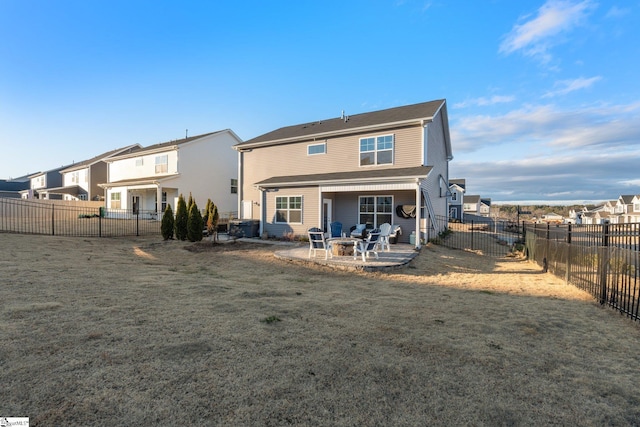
(368, 168)
(82, 180)
(42, 181)
(11, 188)
(457, 188)
(149, 178)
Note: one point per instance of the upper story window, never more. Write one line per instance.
(234, 186)
(162, 164)
(139, 161)
(316, 149)
(75, 176)
(636, 207)
(454, 196)
(376, 150)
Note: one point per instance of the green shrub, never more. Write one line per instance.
(212, 219)
(194, 224)
(182, 218)
(167, 225)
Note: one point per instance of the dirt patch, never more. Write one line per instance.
(140, 331)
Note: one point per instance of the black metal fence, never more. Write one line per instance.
(602, 259)
(488, 236)
(60, 219)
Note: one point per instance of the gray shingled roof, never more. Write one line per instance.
(424, 110)
(119, 151)
(371, 174)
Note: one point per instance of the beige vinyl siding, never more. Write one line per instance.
(310, 211)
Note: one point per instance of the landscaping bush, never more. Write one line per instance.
(182, 219)
(166, 228)
(194, 224)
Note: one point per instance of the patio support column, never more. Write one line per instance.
(158, 200)
(418, 205)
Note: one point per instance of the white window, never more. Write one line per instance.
(162, 164)
(234, 186)
(139, 161)
(289, 209)
(636, 207)
(375, 210)
(115, 200)
(316, 149)
(376, 150)
(454, 196)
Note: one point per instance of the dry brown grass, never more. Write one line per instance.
(143, 332)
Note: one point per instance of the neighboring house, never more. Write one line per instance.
(635, 209)
(457, 188)
(40, 182)
(471, 204)
(369, 168)
(11, 188)
(553, 218)
(485, 207)
(82, 180)
(624, 208)
(150, 178)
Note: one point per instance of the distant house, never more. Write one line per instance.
(40, 182)
(81, 180)
(471, 204)
(457, 188)
(149, 178)
(386, 166)
(11, 188)
(552, 218)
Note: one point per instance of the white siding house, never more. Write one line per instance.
(148, 179)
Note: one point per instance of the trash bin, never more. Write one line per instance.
(412, 238)
(102, 211)
(244, 228)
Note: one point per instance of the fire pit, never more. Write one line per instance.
(343, 246)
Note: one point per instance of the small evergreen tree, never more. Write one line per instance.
(182, 218)
(194, 224)
(167, 224)
(205, 217)
(212, 221)
(190, 202)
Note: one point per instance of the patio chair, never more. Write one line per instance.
(367, 246)
(317, 242)
(358, 230)
(336, 229)
(385, 231)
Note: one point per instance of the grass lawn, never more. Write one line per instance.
(143, 332)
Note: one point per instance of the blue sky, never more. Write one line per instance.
(543, 96)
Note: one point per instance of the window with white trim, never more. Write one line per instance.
(162, 164)
(316, 149)
(376, 150)
(375, 210)
(289, 209)
(234, 186)
(636, 207)
(140, 161)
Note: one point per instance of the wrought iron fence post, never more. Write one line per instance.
(472, 235)
(567, 273)
(604, 262)
(53, 220)
(138, 223)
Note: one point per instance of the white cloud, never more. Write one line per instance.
(536, 36)
(482, 101)
(612, 127)
(566, 86)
